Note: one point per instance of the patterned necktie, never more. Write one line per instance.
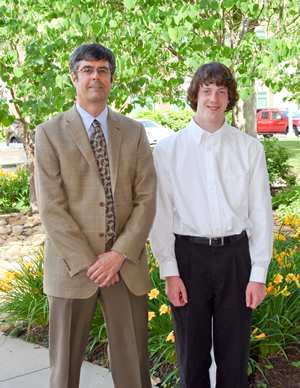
(99, 147)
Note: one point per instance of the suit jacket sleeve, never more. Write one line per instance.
(131, 240)
(61, 227)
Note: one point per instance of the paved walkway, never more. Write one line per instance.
(26, 365)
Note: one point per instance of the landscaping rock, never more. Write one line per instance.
(20, 234)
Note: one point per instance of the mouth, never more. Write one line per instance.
(95, 86)
(214, 108)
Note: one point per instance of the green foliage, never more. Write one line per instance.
(175, 120)
(287, 201)
(276, 321)
(279, 170)
(161, 337)
(156, 46)
(14, 190)
(23, 300)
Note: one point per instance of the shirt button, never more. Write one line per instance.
(101, 203)
(101, 234)
(217, 229)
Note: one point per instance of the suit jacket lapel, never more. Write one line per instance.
(115, 133)
(78, 133)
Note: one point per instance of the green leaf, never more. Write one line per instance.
(18, 72)
(228, 4)
(289, 44)
(3, 30)
(296, 364)
(245, 93)
(59, 81)
(273, 44)
(85, 18)
(267, 61)
(227, 62)
(177, 33)
(129, 4)
(208, 24)
(244, 7)
(96, 27)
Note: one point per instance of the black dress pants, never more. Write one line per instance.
(216, 278)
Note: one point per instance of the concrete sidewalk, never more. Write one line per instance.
(26, 365)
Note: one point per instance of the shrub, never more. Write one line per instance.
(172, 119)
(14, 189)
(23, 300)
(287, 201)
(277, 156)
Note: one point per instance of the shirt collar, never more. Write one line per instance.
(88, 119)
(199, 134)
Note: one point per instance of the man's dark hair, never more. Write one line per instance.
(91, 52)
(213, 73)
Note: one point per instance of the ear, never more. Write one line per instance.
(73, 77)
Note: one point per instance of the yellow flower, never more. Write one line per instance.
(291, 277)
(278, 279)
(7, 287)
(151, 269)
(280, 261)
(163, 309)
(151, 314)
(8, 277)
(29, 265)
(171, 337)
(1, 285)
(255, 331)
(153, 293)
(260, 335)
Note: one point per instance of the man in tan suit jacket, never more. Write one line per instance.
(80, 267)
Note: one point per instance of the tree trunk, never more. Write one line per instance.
(29, 149)
(250, 115)
(238, 116)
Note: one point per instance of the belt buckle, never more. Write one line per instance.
(215, 241)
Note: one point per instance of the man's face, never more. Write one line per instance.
(93, 88)
(212, 101)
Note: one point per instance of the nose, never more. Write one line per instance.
(214, 96)
(96, 74)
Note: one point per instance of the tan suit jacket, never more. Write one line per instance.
(71, 202)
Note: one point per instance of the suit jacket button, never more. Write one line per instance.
(101, 234)
(101, 203)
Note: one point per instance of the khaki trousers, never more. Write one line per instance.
(126, 317)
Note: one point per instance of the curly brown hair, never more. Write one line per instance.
(213, 73)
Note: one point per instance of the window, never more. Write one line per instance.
(264, 115)
(261, 100)
(275, 116)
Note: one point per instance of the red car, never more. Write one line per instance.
(271, 121)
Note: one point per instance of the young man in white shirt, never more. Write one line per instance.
(213, 232)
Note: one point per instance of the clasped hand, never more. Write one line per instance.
(105, 269)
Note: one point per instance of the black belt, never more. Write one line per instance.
(214, 241)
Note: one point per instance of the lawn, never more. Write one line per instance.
(293, 147)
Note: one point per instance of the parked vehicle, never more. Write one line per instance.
(155, 132)
(271, 121)
(14, 133)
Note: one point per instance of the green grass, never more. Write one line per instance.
(293, 147)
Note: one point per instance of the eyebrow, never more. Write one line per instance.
(91, 67)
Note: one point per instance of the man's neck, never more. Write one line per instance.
(209, 126)
(93, 109)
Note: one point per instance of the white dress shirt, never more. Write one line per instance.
(88, 119)
(212, 185)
